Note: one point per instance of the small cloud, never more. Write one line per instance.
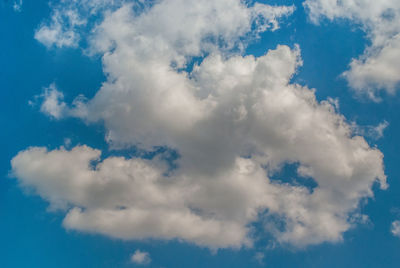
(63, 28)
(334, 102)
(141, 257)
(53, 104)
(67, 142)
(373, 132)
(17, 5)
(395, 229)
(259, 257)
(379, 129)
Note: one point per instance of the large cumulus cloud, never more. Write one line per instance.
(234, 121)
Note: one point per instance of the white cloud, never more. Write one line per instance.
(53, 104)
(141, 257)
(379, 129)
(17, 5)
(60, 31)
(69, 19)
(395, 229)
(233, 120)
(373, 132)
(216, 192)
(379, 67)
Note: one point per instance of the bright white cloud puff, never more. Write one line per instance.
(234, 121)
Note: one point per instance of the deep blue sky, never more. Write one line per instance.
(31, 236)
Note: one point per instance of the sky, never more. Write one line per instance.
(183, 133)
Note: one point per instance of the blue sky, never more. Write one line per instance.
(33, 234)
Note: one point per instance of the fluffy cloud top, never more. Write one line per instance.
(379, 67)
(181, 22)
(233, 120)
